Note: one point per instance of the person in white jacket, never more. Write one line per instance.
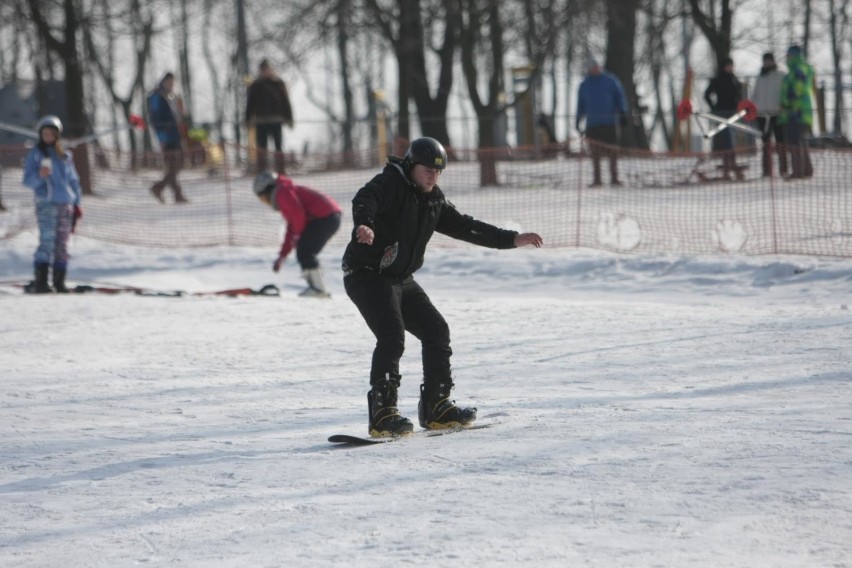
(767, 99)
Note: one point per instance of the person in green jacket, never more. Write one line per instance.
(797, 111)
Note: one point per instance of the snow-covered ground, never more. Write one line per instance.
(652, 411)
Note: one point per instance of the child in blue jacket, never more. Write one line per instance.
(49, 172)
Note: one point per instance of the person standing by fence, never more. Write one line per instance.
(797, 111)
(767, 99)
(723, 94)
(166, 116)
(267, 109)
(602, 102)
(49, 171)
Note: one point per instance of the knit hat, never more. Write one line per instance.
(794, 51)
(591, 63)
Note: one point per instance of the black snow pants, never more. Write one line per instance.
(392, 306)
(316, 234)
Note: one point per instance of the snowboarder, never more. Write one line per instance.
(312, 219)
(395, 215)
(49, 171)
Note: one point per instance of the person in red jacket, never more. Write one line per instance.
(312, 219)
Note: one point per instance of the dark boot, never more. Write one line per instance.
(782, 159)
(767, 160)
(179, 196)
(39, 285)
(59, 272)
(437, 412)
(385, 419)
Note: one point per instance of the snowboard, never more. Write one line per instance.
(349, 440)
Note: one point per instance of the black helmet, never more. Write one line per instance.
(426, 151)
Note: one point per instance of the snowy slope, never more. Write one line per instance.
(652, 411)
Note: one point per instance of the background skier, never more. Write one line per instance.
(312, 219)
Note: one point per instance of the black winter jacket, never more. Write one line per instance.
(728, 91)
(268, 101)
(403, 219)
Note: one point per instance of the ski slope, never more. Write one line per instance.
(653, 411)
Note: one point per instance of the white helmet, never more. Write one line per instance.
(49, 121)
(264, 181)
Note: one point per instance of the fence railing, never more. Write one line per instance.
(666, 203)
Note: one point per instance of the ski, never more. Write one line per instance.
(349, 440)
(270, 290)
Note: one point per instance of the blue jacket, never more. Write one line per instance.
(62, 186)
(601, 100)
(163, 119)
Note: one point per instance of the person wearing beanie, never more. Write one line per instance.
(767, 99)
(797, 111)
(723, 94)
(602, 102)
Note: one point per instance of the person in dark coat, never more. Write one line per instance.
(267, 109)
(395, 216)
(723, 94)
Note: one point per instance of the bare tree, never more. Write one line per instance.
(621, 61)
(66, 49)
(482, 47)
(141, 27)
(716, 24)
(404, 27)
(836, 20)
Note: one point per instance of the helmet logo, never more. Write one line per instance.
(439, 161)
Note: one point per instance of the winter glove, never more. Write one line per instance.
(78, 214)
(577, 126)
(276, 266)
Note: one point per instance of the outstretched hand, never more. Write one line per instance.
(525, 239)
(276, 266)
(365, 234)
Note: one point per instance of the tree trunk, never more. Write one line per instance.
(481, 17)
(344, 8)
(838, 72)
(620, 61)
(717, 34)
(74, 89)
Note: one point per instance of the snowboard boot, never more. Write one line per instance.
(59, 273)
(39, 285)
(316, 286)
(385, 419)
(437, 412)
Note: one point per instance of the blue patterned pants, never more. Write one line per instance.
(54, 229)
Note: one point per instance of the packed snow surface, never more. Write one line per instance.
(650, 411)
